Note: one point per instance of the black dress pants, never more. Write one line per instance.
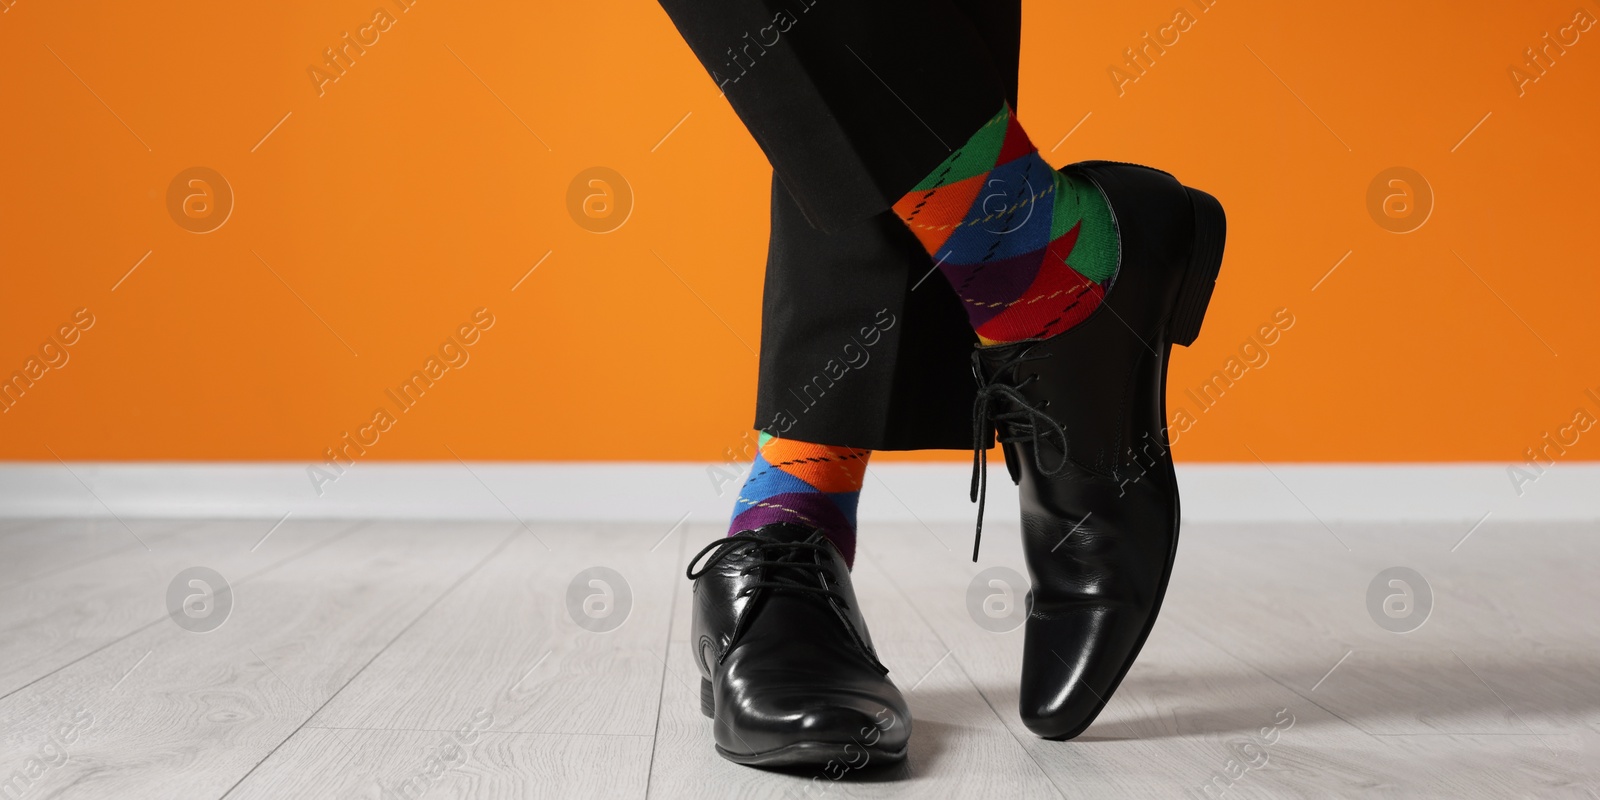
(854, 102)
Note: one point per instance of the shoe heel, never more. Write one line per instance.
(1205, 261)
(708, 701)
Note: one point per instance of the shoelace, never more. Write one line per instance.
(1023, 422)
(783, 572)
(783, 567)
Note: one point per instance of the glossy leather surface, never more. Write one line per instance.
(792, 674)
(1099, 497)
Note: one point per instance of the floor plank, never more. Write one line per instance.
(43, 548)
(323, 762)
(530, 662)
(178, 714)
(1253, 621)
(49, 623)
(449, 659)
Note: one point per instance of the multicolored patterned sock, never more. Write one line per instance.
(810, 484)
(1030, 251)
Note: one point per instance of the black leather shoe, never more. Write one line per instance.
(787, 669)
(1081, 418)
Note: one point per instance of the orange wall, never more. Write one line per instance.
(374, 219)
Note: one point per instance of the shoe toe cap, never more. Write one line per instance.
(1075, 658)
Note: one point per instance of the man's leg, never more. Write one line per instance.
(862, 346)
(1070, 392)
(789, 672)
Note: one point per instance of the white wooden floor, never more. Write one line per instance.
(386, 659)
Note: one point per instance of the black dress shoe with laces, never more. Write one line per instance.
(788, 672)
(1081, 418)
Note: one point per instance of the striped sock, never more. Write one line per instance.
(1029, 250)
(816, 485)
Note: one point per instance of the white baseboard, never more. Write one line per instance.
(670, 492)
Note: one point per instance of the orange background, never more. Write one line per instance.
(417, 189)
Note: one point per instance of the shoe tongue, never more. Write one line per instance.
(993, 359)
(787, 532)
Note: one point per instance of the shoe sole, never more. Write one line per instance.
(1183, 327)
(826, 755)
(850, 756)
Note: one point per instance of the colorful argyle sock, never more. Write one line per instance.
(1030, 251)
(816, 485)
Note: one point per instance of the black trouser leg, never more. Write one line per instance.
(861, 345)
(853, 101)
